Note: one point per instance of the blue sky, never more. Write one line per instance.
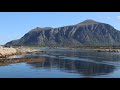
(14, 25)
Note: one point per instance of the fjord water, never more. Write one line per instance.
(64, 63)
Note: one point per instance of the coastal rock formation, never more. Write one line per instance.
(7, 51)
(86, 33)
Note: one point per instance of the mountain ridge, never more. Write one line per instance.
(86, 33)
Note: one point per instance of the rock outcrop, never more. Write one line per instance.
(7, 51)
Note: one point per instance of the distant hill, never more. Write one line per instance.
(86, 33)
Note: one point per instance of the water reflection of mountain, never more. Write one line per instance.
(74, 66)
(41, 61)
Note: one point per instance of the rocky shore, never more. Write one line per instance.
(108, 50)
(6, 51)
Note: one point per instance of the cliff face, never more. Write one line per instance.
(88, 32)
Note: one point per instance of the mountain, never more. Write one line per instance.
(88, 22)
(86, 33)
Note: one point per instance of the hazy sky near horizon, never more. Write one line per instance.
(13, 25)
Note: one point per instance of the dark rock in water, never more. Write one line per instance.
(86, 33)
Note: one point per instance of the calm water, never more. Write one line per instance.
(61, 63)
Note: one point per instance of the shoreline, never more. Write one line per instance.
(88, 48)
(10, 51)
(98, 49)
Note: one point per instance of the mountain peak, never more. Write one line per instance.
(88, 22)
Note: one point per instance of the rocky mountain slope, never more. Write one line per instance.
(86, 33)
